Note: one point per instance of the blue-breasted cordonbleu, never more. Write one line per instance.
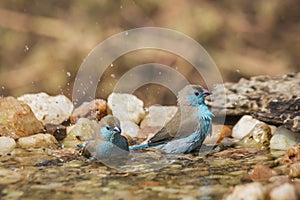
(108, 141)
(189, 126)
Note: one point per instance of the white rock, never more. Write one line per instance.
(284, 138)
(244, 126)
(7, 144)
(251, 191)
(285, 191)
(130, 128)
(82, 131)
(38, 141)
(159, 115)
(126, 107)
(49, 109)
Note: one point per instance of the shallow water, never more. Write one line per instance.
(61, 174)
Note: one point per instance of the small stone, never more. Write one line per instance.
(295, 170)
(292, 155)
(285, 191)
(38, 141)
(16, 119)
(251, 191)
(219, 132)
(261, 173)
(244, 126)
(7, 144)
(159, 115)
(129, 128)
(284, 138)
(126, 107)
(259, 137)
(49, 109)
(58, 131)
(82, 131)
(93, 110)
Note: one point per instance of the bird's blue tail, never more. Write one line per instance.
(146, 145)
(137, 147)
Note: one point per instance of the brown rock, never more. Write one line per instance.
(58, 131)
(219, 132)
(261, 173)
(93, 110)
(38, 141)
(295, 170)
(292, 155)
(17, 119)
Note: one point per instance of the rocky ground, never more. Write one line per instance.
(41, 132)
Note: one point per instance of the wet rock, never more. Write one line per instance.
(283, 139)
(292, 155)
(38, 141)
(93, 110)
(126, 107)
(254, 190)
(58, 131)
(261, 173)
(272, 100)
(159, 115)
(236, 153)
(16, 119)
(284, 112)
(244, 126)
(129, 128)
(9, 176)
(219, 132)
(49, 109)
(259, 137)
(7, 144)
(82, 131)
(294, 171)
(285, 191)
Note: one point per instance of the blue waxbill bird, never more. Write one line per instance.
(189, 126)
(108, 141)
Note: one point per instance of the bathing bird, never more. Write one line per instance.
(189, 126)
(107, 141)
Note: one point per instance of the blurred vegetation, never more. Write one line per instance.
(43, 43)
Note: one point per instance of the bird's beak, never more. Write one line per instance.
(117, 130)
(206, 93)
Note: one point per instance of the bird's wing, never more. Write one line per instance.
(181, 125)
(168, 131)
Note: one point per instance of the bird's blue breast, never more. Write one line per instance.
(205, 119)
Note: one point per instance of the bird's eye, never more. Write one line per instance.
(196, 93)
(107, 128)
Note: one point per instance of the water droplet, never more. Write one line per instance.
(237, 71)
(3, 87)
(69, 74)
(126, 32)
(113, 75)
(111, 65)
(121, 7)
(26, 48)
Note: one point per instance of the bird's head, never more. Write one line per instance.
(193, 95)
(109, 126)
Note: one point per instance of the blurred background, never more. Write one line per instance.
(43, 43)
